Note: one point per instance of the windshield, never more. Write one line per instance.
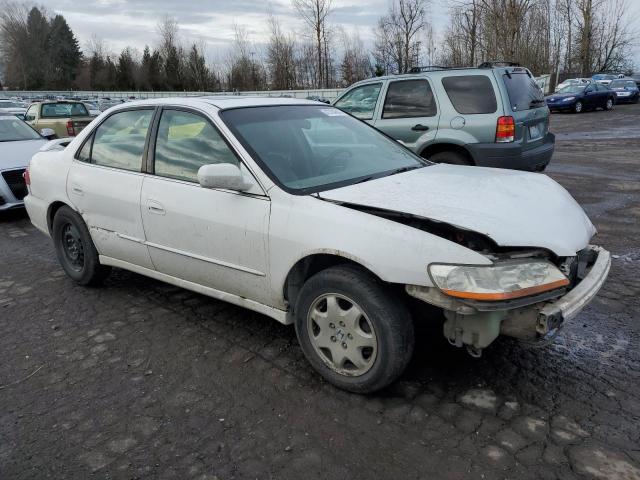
(622, 84)
(13, 129)
(524, 92)
(572, 89)
(307, 149)
(64, 110)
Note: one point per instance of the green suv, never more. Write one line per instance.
(491, 116)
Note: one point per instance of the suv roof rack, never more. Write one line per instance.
(498, 63)
(427, 68)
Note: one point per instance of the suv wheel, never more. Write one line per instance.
(355, 332)
(451, 157)
(609, 104)
(75, 249)
(577, 108)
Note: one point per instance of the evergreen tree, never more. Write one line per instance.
(64, 54)
(172, 69)
(125, 79)
(37, 61)
(144, 78)
(156, 77)
(198, 73)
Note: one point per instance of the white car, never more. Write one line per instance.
(301, 212)
(573, 81)
(18, 143)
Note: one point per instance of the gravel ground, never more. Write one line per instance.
(139, 379)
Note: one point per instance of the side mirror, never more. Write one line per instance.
(223, 175)
(48, 133)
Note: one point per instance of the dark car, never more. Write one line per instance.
(577, 98)
(626, 90)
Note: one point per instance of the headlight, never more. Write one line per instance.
(497, 282)
(568, 99)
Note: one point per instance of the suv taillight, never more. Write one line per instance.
(70, 130)
(27, 178)
(505, 130)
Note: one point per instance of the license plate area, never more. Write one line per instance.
(535, 131)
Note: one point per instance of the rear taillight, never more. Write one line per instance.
(505, 130)
(70, 130)
(27, 178)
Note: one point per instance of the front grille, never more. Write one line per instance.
(16, 183)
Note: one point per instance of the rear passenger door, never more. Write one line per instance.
(409, 112)
(105, 181)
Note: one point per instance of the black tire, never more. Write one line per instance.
(384, 310)
(609, 104)
(578, 107)
(75, 250)
(450, 157)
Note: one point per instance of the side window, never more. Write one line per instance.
(119, 141)
(471, 94)
(409, 98)
(84, 155)
(185, 142)
(31, 113)
(361, 101)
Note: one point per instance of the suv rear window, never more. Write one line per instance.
(471, 94)
(64, 110)
(524, 93)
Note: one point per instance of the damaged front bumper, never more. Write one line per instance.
(476, 324)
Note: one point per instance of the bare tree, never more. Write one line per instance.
(280, 57)
(398, 34)
(315, 13)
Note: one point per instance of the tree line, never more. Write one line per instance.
(39, 50)
(570, 37)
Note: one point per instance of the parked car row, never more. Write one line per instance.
(600, 91)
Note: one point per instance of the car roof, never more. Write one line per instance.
(220, 101)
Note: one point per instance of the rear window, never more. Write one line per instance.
(524, 93)
(64, 110)
(471, 94)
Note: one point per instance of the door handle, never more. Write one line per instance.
(77, 190)
(419, 128)
(155, 207)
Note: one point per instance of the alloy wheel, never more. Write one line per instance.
(342, 335)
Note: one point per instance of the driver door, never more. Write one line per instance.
(211, 237)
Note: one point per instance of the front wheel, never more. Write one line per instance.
(75, 249)
(353, 330)
(609, 104)
(577, 108)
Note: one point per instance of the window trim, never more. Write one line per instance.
(91, 136)
(151, 156)
(355, 87)
(417, 79)
(491, 83)
(68, 116)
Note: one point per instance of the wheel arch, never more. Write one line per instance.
(51, 212)
(309, 265)
(446, 147)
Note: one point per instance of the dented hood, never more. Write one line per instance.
(515, 209)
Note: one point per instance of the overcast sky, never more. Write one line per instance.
(121, 23)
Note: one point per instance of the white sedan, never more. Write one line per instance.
(303, 213)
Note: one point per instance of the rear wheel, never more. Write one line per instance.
(577, 108)
(354, 331)
(451, 157)
(75, 249)
(609, 104)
